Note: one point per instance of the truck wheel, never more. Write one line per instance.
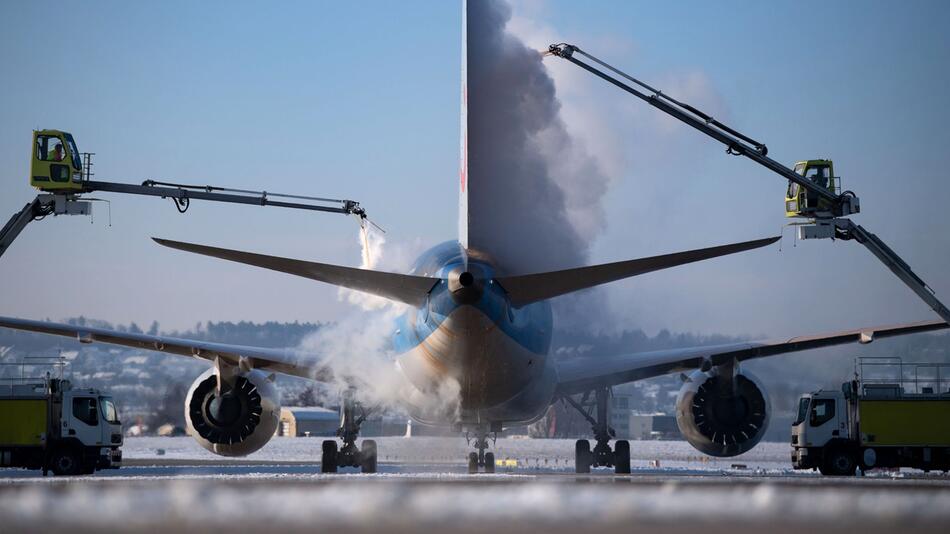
(839, 462)
(65, 463)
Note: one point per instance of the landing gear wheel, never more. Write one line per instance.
(368, 456)
(472, 463)
(328, 460)
(622, 457)
(839, 462)
(582, 456)
(65, 463)
(489, 462)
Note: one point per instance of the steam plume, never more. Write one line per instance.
(535, 197)
(357, 350)
(535, 193)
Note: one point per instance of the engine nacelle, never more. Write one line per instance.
(720, 420)
(239, 422)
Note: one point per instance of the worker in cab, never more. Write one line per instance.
(57, 154)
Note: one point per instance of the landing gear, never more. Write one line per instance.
(622, 456)
(481, 459)
(368, 456)
(349, 455)
(583, 458)
(328, 458)
(602, 455)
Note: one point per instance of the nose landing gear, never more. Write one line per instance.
(602, 455)
(481, 459)
(349, 455)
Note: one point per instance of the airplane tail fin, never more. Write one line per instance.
(398, 287)
(463, 135)
(530, 288)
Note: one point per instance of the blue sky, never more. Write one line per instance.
(360, 100)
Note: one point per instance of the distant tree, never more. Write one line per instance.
(170, 407)
(153, 330)
(306, 397)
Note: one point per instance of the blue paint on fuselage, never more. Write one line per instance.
(530, 326)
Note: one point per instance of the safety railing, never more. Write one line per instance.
(35, 371)
(912, 378)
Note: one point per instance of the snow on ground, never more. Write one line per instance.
(543, 453)
(423, 486)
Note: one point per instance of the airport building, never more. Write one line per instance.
(651, 426)
(299, 421)
(620, 413)
(316, 421)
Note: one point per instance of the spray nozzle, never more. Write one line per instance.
(561, 50)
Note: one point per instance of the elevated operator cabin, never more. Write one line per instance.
(801, 203)
(55, 164)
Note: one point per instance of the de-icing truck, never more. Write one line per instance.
(900, 420)
(47, 424)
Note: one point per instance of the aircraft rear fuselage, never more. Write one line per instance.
(467, 336)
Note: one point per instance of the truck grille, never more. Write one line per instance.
(116, 438)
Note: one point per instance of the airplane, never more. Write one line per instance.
(484, 332)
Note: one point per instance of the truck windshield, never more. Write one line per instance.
(802, 411)
(109, 413)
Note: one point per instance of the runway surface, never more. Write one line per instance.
(170, 483)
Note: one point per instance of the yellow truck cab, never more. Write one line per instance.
(55, 164)
(798, 201)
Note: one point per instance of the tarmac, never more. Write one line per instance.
(181, 488)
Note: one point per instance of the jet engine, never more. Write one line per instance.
(719, 416)
(237, 422)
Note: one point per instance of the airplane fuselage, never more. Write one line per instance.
(467, 338)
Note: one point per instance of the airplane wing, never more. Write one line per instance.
(579, 375)
(284, 361)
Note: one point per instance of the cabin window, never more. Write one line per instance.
(86, 410)
(73, 151)
(818, 175)
(109, 413)
(50, 148)
(792, 190)
(822, 410)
